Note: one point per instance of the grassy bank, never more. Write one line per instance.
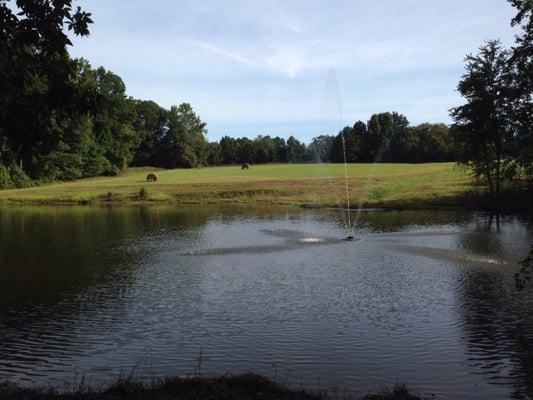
(394, 185)
(238, 387)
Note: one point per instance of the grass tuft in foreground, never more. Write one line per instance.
(238, 387)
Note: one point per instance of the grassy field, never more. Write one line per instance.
(394, 185)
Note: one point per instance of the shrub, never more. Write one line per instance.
(5, 178)
(19, 177)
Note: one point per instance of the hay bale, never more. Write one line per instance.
(152, 177)
(245, 166)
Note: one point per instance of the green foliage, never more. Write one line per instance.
(19, 178)
(321, 147)
(214, 153)
(429, 142)
(36, 72)
(184, 143)
(388, 137)
(297, 151)
(149, 122)
(522, 93)
(5, 177)
(485, 133)
(493, 134)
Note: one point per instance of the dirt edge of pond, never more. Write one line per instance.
(244, 386)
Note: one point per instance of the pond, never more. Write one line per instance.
(422, 297)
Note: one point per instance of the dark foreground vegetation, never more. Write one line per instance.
(238, 387)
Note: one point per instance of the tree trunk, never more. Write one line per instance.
(487, 167)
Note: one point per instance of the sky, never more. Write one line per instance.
(293, 67)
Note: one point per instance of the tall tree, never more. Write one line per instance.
(429, 142)
(150, 124)
(184, 144)
(113, 121)
(380, 129)
(281, 150)
(36, 72)
(522, 96)
(227, 148)
(399, 139)
(321, 147)
(296, 150)
(484, 124)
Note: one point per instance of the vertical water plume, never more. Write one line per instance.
(333, 87)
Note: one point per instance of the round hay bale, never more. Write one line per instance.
(245, 166)
(152, 177)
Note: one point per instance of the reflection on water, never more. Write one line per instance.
(449, 254)
(422, 297)
(293, 240)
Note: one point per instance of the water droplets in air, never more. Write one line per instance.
(332, 100)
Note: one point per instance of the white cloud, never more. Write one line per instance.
(226, 53)
(264, 63)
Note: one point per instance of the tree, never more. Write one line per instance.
(400, 140)
(380, 128)
(321, 147)
(522, 65)
(184, 144)
(214, 153)
(150, 124)
(297, 151)
(36, 73)
(429, 142)
(243, 150)
(264, 149)
(484, 134)
(344, 146)
(113, 117)
(227, 148)
(280, 150)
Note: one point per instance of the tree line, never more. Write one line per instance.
(385, 137)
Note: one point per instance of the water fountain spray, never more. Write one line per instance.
(350, 235)
(332, 83)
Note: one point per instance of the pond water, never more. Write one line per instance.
(423, 297)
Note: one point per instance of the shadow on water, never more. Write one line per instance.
(497, 319)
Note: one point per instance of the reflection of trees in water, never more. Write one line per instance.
(77, 279)
(497, 319)
(385, 221)
(63, 268)
(483, 238)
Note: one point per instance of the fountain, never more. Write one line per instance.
(333, 86)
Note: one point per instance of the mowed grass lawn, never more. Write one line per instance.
(310, 184)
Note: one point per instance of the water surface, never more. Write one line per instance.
(423, 297)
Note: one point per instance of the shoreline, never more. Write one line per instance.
(518, 203)
(246, 386)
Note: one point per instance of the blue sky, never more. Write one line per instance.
(280, 67)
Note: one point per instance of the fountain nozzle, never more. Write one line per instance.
(351, 237)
